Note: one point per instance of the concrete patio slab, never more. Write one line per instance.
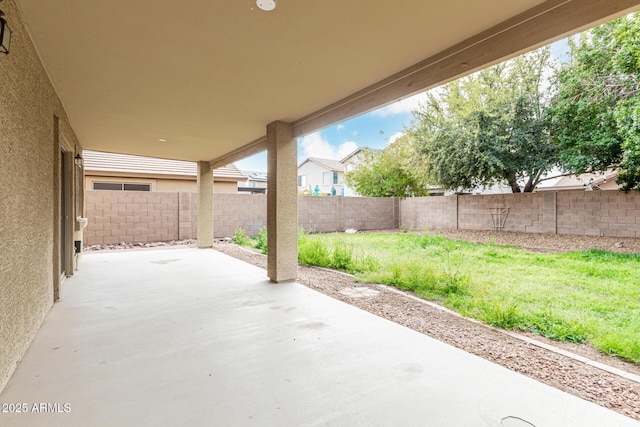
(191, 337)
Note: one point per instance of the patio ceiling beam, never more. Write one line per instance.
(537, 26)
(250, 149)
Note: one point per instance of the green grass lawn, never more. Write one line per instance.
(577, 296)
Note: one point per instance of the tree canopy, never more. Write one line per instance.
(488, 127)
(393, 172)
(517, 121)
(596, 110)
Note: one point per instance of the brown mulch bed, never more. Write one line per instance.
(590, 383)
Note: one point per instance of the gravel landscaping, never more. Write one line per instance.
(573, 376)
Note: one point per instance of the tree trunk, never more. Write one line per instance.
(528, 188)
(514, 185)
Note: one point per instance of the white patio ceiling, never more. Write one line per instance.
(209, 75)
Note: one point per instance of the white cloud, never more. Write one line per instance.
(403, 106)
(346, 148)
(314, 145)
(396, 136)
(340, 128)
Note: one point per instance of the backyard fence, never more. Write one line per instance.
(129, 216)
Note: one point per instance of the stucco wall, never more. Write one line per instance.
(314, 173)
(224, 187)
(28, 173)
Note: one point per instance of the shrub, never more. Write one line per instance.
(261, 240)
(313, 252)
(341, 258)
(240, 237)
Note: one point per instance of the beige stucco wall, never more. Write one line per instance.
(313, 172)
(225, 187)
(178, 185)
(29, 161)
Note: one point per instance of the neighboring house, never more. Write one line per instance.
(255, 183)
(108, 171)
(351, 162)
(325, 173)
(586, 181)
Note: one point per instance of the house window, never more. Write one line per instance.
(335, 177)
(121, 186)
(302, 180)
(326, 178)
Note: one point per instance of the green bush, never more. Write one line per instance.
(313, 252)
(240, 238)
(261, 240)
(341, 258)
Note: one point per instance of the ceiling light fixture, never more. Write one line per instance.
(266, 5)
(162, 140)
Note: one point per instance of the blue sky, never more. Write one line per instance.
(375, 129)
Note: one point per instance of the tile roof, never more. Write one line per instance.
(333, 165)
(97, 161)
(358, 151)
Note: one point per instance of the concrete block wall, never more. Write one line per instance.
(187, 219)
(131, 216)
(419, 213)
(368, 213)
(599, 213)
(329, 214)
(530, 212)
(596, 213)
(320, 214)
(231, 211)
(116, 216)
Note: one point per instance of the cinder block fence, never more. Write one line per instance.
(130, 216)
(593, 213)
(117, 216)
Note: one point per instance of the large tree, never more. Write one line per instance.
(393, 172)
(488, 127)
(596, 111)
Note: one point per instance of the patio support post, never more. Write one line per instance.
(205, 205)
(282, 203)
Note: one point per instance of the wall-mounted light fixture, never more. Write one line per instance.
(79, 160)
(5, 34)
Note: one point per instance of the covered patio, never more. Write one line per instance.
(194, 337)
(190, 337)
